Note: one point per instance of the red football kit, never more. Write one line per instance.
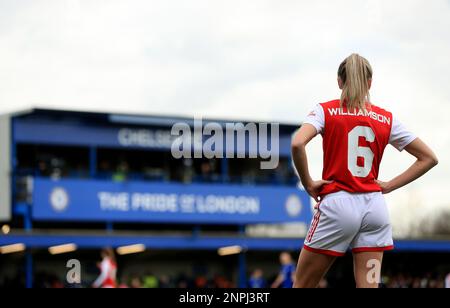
(352, 212)
(353, 147)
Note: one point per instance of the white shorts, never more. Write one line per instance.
(343, 220)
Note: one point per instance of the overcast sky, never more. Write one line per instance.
(256, 59)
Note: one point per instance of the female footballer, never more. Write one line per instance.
(351, 211)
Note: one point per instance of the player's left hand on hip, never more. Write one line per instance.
(385, 187)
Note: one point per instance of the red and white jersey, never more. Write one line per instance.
(108, 272)
(354, 143)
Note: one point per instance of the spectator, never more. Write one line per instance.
(221, 282)
(150, 282)
(121, 173)
(43, 169)
(183, 282)
(104, 169)
(186, 173)
(136, 283)
(123, 283)
(201, 282)
(207, 172)
(165, 282)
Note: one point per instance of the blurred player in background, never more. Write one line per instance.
(447, 281)
(285, 278)
(108, 270)
(257, 280)
(351, 210)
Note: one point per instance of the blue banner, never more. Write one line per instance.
(50, 132)
(93, 200)
(74, 134)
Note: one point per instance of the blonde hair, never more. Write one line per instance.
(355, 73)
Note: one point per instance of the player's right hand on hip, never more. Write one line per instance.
(314, 188)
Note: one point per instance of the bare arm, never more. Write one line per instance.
(276, 284)
(306, 133)
(426, 160)
(104, 269)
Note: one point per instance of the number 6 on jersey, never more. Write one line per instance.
(355, 151)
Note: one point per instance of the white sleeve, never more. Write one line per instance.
(400, 136)
(104, 270)
(316, 118)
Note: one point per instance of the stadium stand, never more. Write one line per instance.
(93, 180)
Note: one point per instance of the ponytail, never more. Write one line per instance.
(355, 73)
